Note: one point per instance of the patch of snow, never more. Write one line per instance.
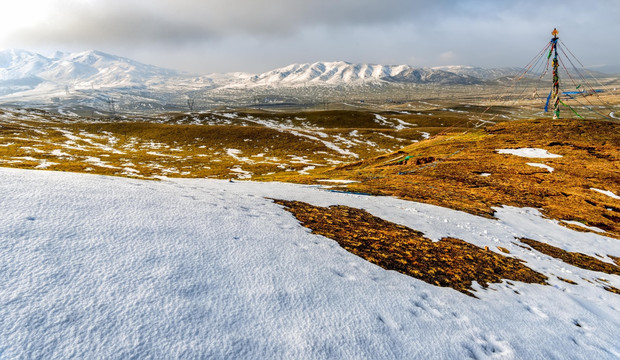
(241, 174)
(431, 104)
(382, 120)
(27, 158)
(338, 181)
(593, 228)
(402, 124)
(44, 164)
(485, 174)
(97, 162)
(69, 135)
(529, 153)
(425, 135)
(32, 149)
(328, 144)
(305, 170)
(155, 153)
(234, 153)
(606, 192)
(543, 166)
(63, 111)
(60, 153)
(229, 115)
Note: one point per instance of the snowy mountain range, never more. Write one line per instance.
(22, 70)
(27, 76)
(340, 72)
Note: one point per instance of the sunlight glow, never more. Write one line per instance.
(23, 14)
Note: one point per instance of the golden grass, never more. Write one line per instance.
(151, 149)
(612, 289)
(573, 258)
(446, 171)
(566, 280)
(449, 262)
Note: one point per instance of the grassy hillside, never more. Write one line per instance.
(440, 156)
(463, 170)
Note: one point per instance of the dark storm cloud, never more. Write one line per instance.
(257, 35)
(162, 21)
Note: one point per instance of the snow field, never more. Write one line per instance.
(107, 267)
(542, 166)
(529, 153)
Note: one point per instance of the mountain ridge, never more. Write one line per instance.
(28, 77)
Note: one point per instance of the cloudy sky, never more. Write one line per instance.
(204, 36)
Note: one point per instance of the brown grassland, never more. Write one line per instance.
(437, 156)
(447, 170)
(449, 262)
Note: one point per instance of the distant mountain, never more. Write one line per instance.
(480, 73)
(87, 77)
(85, 69)
(344, 73)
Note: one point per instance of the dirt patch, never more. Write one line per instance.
(573, 258)
(450, 262)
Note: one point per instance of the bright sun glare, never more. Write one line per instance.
(22, 14)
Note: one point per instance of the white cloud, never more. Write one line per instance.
(447, 57)
(250, 35)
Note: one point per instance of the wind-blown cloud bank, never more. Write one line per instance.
(245, 35)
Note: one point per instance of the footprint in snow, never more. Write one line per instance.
(389, 322)
(534, 310)
(489, 347)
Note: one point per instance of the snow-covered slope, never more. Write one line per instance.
(101, 267)
(478, 72)
(20, 64)
(85, 69)
(30, 77)
(19, 70)
(101, 69)
(344, 73)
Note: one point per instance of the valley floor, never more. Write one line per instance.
(110, 267)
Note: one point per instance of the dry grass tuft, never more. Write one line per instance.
(567, 280)
(612, 289)
(573, 258)
(503, 249)
(450, 262)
